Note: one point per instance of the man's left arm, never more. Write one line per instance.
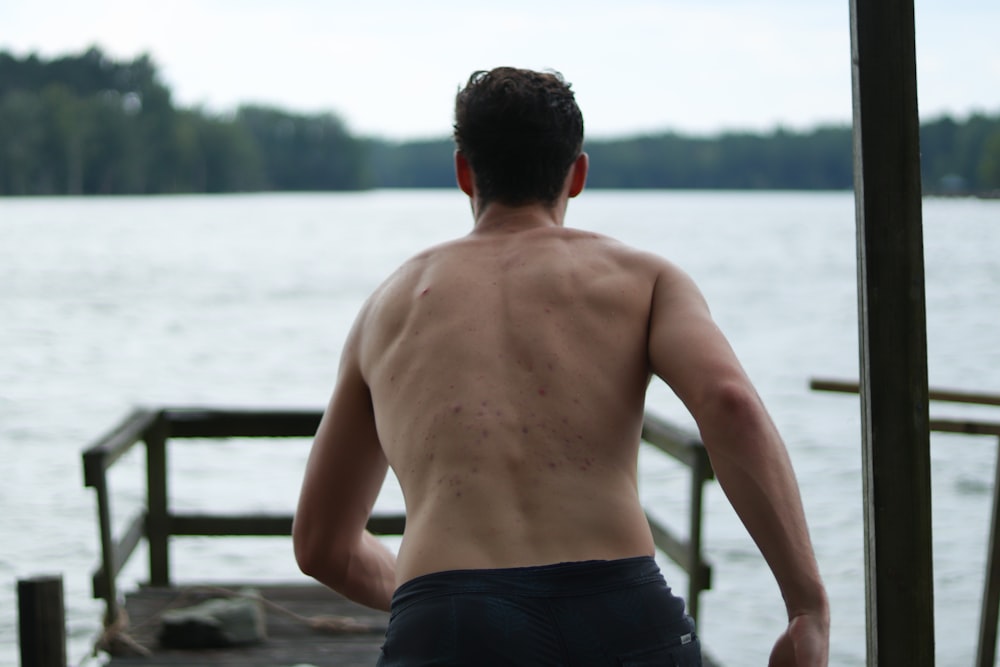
(344, 474)
(749, 457)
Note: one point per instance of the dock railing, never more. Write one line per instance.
(157, 523)
(990, 604)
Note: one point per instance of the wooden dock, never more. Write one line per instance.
(291, 610)
(306, 625)
(292, 641)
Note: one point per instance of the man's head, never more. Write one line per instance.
(520, 132)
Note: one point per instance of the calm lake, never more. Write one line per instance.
(245, 300)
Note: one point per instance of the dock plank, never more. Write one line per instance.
(290, 638)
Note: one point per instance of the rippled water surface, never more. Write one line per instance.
(245, 300)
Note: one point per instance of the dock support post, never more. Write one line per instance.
(987, 649)
(42, 622)
(158, 517)
(696, 572)
(893, 336)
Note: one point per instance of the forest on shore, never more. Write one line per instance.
(86, 124)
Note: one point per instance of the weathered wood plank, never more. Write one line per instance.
(265, 525)
(948, 395)
(291, 639)
(965, 426)
(242, 423)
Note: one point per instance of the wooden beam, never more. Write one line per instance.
(121, 551)
(263, 525)
(947, 395)
(101, 455)
(241, 422)
(893, 336)
(677, 442)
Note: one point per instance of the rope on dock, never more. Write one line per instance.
(322, 623)
(115, 639)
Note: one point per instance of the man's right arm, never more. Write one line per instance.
(344, 473)
(689, 352)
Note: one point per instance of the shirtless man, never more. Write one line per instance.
(503, 376)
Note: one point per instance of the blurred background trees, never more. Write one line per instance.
(85, 124)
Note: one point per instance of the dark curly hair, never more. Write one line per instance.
(520, 131)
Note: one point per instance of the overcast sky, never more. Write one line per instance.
(390, 68)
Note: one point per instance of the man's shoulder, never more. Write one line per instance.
(410, 273)
(417, 263)
(463, 254)
(617, 250)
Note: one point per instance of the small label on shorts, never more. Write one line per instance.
(686, 639)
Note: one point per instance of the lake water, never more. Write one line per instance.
(245, 300)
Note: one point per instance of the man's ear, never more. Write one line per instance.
(578, 174)
(463, 174)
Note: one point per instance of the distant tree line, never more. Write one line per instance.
(85, 124)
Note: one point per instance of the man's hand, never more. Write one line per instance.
(805, 643)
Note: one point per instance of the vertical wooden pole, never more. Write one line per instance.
(157, 517)
(990, 606)
(42, 622)
(696, 573)
(104, 582)
(893, 336)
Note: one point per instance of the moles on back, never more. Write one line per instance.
(514, 366)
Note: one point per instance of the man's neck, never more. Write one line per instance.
(496, 218)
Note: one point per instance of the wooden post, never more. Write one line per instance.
(42, 622)
(157, 518)
(990, 606)
(893, 336)
(696, 573)
(107, 588)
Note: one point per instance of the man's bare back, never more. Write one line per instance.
(503, 377)
(508, 373)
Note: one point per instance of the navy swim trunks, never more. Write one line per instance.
(616, 613)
